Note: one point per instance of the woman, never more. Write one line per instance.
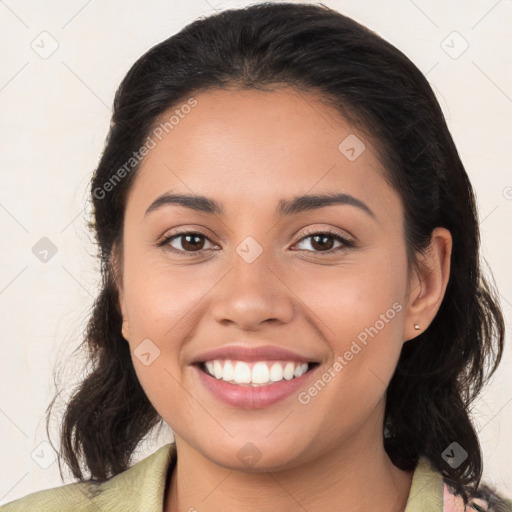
(291, 281)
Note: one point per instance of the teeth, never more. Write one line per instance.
(229, 371)
(260, 373)
(255, 374)
(242, 373)
(217, 369)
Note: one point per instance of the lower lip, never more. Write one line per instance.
(248, 397)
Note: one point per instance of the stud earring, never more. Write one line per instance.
(417, 327)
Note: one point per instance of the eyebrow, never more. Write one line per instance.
(285, 207)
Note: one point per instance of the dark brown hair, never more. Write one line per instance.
(378, 89)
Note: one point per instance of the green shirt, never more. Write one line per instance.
(141, 488)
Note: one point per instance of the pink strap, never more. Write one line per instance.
(452, 503)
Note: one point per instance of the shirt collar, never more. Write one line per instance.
(426, 494)
(143, 486)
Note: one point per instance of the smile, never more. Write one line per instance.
(256, 384)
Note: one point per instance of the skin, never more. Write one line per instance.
(247, 150)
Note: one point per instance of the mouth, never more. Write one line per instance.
(255, 384)
(255, 373)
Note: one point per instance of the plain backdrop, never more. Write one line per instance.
(61, 64)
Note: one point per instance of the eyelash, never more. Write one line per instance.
(347, 244)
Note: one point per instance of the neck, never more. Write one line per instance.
(360, 479)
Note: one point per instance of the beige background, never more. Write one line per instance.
(55, 112)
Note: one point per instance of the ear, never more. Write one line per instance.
(117, 278)
(428, 282)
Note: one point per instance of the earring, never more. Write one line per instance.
(417, 327)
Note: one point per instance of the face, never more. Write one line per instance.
(328, 283)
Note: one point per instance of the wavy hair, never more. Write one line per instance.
(376, 88)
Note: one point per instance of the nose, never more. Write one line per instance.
(252, 295)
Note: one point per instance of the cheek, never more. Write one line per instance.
(348, 300)
(160, 306)
(359, 309)
(160, 297)
(164, 306)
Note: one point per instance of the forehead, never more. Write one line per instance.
(246, 146)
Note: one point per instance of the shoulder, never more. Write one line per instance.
(59, 499)
(485, 499)
(429, 493)
(142, 486)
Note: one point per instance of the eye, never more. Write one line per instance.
(320, 239)
(190, 242)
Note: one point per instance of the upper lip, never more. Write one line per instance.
(244, 353)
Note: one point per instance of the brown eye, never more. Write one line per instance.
(191, 242)
(323, 241)
(185, 243)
